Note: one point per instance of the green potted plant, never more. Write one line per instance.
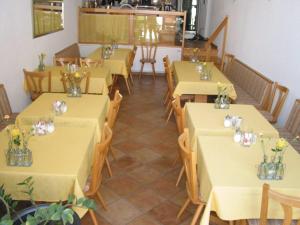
(60, 213)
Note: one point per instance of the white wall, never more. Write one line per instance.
(19, 50)
(265, 35)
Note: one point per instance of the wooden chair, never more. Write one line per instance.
(275, 103)
(34, 82)
(180, 122)
(111, 120)
(91, 190)
(166, 62)
(130, 63)
(66, 84)
(6, 114)
(287, 202)
(170, 82)
(148, 56)
(62, 61)
(189, 161)
(90, 62)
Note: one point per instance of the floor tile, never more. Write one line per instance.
(122, 185)
(145, 199)
(120, 212)
(166, 214)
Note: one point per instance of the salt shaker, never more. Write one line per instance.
(227, 121)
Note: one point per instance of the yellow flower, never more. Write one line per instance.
(281, 144)
(77, 75)
(15, 132)
(195, 50)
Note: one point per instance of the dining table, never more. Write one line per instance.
(188, 81)
(228, 181)
(87, 110)
(100, 79)
(205, 119)
(61, 164)
(117, 62)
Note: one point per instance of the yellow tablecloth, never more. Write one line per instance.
(228, 181)
(61, 164)
(100, 79)
(118, 61)
(188, 80)
(82, 111)
(204, 119)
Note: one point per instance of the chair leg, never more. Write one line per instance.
(153, 70)
(168, 107)
(141, 72)
(183, 208)
(93, 216)
(166, 97)
(197, 214)
(180, 176)
(170, 114)
(101, 200)
(231, 222)
(131, 78)
(108, 167)
(127, 85)
(112, 153)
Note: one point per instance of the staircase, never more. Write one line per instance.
(207, 50)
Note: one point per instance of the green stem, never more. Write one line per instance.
(6, 206)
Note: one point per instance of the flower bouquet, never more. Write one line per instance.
(273, 170)
(74, 80)
(41, 66)
(222, 101)
(18, 153)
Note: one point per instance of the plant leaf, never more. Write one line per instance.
(56, 216)
(67, 216)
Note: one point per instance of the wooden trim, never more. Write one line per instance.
(212, 38)
(183, 32)
(131, 11)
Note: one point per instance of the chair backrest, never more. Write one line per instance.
(133, 53)
(287, 202)
(179, 114)
(114, 109)
(148, 51)
(66, 83)
(252, 82)
(277, 100)
(100, 153)
(5, 108)
(34, 82)
(169, 75)
(189, 162)
(62, 61)
(90, 62)
(293, 122)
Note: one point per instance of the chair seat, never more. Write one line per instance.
(268, 116)
(148, 60)
(244, 97)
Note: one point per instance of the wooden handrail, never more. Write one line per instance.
(212, 38)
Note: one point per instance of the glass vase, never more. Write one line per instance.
(74, 91)
(222, 102)
(41, 66)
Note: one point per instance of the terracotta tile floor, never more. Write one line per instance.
(142, 190)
